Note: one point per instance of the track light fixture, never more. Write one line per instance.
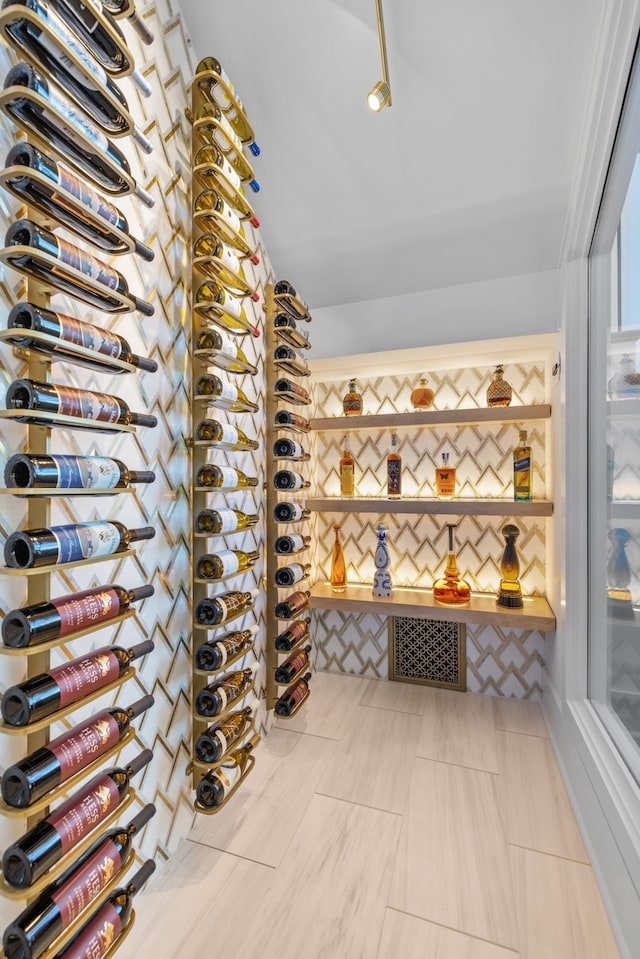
(380, 95)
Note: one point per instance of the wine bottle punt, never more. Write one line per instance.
(289, 480)
(67, 329)
(67, 615)
(26, 549)
(53, 911)
(214, 699)
(292, 574)
(295, 634)
(290, 513)
(216, 91)
(224, 520)
(293, 665)
(293, 543)
(42, 846)
(214, 168)
(212, 744)
(294, 604)
(224, 478)
(224, 436)
(215, 610)
(27, 780)
(31, 471)
(226, 562)
(126, 8)
(213, 789)
(33, 397)
(286, 418)
(291, 697)
(62, 686)
(215, 654)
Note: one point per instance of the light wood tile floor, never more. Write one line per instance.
(380, 825)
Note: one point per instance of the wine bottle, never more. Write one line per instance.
(286, 328)
(65, 685)
(287, 479)
(106, 925)
(214, 129)
(292, 666)
(51, 765)
(290, 361)
(30, 471)
(65, 616)
(293, 605)
(211, 165)
(67, 329)
(227, 562)
(28, 548)
(63, 900)
(286, 418)
(87, 214)
(224, 436)
(224, 352)
(215, 610)
(126, 8)
(42, 846)
(214, 699)
(284, 288)
(59, 123)
(291, 697)
(225, 265)
(293, 543)
(25, 233)
(211, 745)
(68, 401)
(292, 574)
(210, 206)
(214, 787)
(294, 635)
(109, 52)
(287, 449)
(224, 395)
(224, 520)
(223, 308)
(290, 513)
(224, 478)
(215, 654)
(216, 91)
(286, 389)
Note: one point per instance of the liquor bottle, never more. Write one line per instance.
(213, 522)
(67, 329)
(67, 615)
(223, 308)
(347, 470)
(285, 418)
(29, 857)
(522, 470)
(62, 686)
(104, 928)
(287, 449)
(625, 383)
(352, 400)
(210, 202)
(211, 745)
(69, 401)
(451, 589)
(214, 130)
(126, 8)
(224, 352)
(294, 635)
(224, 436)
(68, 130)
(394, 470)
(25, 233)
(422, 395)
(227, 562)
(286, 704)
(30, 471)
(212, 789)
(499, 392)
(510, 591)
(63, 900)
(294, 604)
(215, 610)
(292, 574)
(216, 653)
(224, 477)
(89, 215)
(287, 479)
(290, 513)
(382, 585)
(294, 543)
(216, 91)
(211, 166)
(292, 666)
(52, 546)
(338, 576)
(445, 479)
(284, 288)
(286, 328)
(214, 699)
(286, 389)
(224, 395)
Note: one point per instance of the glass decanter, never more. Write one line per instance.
(510, 592)
(338, 565)
(451, 589)
(619, 575)
(499, 392)
(422, 395)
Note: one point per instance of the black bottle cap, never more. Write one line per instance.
(139, 762)
(149, 366)
(142, 250)
(143, 419)
(141, 876)
(142, 476)
(141, 592)
(142, 306)
(141, 649)
(141, 819)
(140, 706)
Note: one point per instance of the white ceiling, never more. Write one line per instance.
(466, 177)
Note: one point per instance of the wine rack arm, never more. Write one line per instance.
(251, 761)
(39, 572)
(271, 467)
(79, 354)
(248, 135)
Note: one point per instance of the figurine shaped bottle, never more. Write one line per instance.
(382, 578)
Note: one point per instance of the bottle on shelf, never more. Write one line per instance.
(287, 449)
(499, 392)
(286, 328)
(65, 616)
(293, 636)
(212, 790)
(215, 654)
(38, 241)
(445, 479)
(451, 589)
(224, 352)
(34, 397)
(44, 844)
(284, 418)
(216, 697)
(510, 592)
(67, 329)
(287, 389)
(347, 470)
(35, 471)
(625, 384)
(338, 566)
(218, 739)
(290, 513)
(293, 696)
(292, 574)
(286, 671)
(293, 605)
(224, 436)
(352, 400)
(224, 395)
(28, 548)
(422, 395)
(223, 478)
(215, 90)
(226, 562)
(214, 130)
(289, 480)
(214, 522)
(63, 900)
(212, 167)
(211, 205)
(27, 780)
(223, 308)
(293, 543)
(522, 470)
(382, 585)
(127, 9)
(215, 610)
(619, 598)
(394, 470)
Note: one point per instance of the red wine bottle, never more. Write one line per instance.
(48, 767)
(286, 329)
(69, 401)
(85, 212)
(67, 329)
(67, 897)
(214, 699)
(126, 8)
(215, 786)
(39, 240)
(65, 685)
(215, 654)
(291, 667)
(51, 546)
(295, 634)
(30, 471)
(292, 696)
(217, 739)
(285, 418)
(293, 604)
(285, 388)
(29, 857)
(65, 616)
(215, 610)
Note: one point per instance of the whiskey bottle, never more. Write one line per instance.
(214, 788)
(214, 522)
(394, 470)
(212, 167)
(28, 471)
(29, 548)
(451, 589)
(33, 397)
(215, 698)
(291, 544)
(286, 671)
(292, 574)
(224, 478)
(288, 480)
(216, 91)
(422, 395)
(499, 392)
(352, 401)
(293, 605)
(286, 704)
(338, 566)
(227, 562)
(224, 395)
(445, 479)
(290, 513)
(224, 436)
(224, 353)
(218, 739)
(215, 610)
(215, 654)
(522, 470)
(347, 470)
(294, 635)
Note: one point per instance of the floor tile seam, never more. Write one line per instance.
(518, 732)
(361, 805)
(444, 762)
(303, 732)
(551, 855)
(462, 932)
(390, 709)
(257, 862)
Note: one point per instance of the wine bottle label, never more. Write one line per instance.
(228, 520)
(97, 936)
(521, 464)
(298, 691)
(229, 434)
(85, 541)
(87, 472)
(74, 896)
(87, 264)
(231, 174)
(92, 338)
(229, 477)
(297, 663)
(78, 679)
(62, 110)
(297, 572)
(346, 480)
(60, 30)
(91, 740)
(229, 560)
(88, 197)
(227, 348)
(228, 391)
(89, 405)
(85, 609)
(224, 699)
(394, 476)
(79, 815)
(230, 217)
(228, 258)
(232, 305)
(220, 737)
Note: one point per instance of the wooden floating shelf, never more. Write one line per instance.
(461, 417)
(56, 567)
(60, 640)
(53, 493)
(482, 609)
(63, 350)
(43, 418)
(465, 507)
